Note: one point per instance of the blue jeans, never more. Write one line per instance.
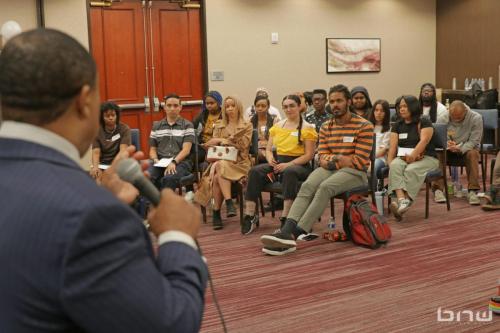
(379, 164)
(162, 181)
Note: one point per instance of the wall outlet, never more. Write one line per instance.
(217, 76)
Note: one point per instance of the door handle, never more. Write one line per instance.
(156, 104)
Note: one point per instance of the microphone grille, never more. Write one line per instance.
(129, 170)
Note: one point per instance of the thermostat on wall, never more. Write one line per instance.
(217, 76)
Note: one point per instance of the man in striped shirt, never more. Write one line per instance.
(344, 147)
(171, 138)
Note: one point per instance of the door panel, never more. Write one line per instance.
(177, 53)
(146, 52)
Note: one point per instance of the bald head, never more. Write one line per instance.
(458, 109)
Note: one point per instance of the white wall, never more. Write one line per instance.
(69, 16)
(239, 43)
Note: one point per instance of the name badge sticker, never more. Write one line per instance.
(348, 139)
(403, 135)
(295, 134)
(115, 137)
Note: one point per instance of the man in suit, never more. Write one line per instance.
(74, 258)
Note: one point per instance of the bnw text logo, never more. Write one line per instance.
(449, 315)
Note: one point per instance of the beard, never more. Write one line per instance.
(338, 113)
(427, 99)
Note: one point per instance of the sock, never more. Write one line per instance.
(291, 227)
(250, 208)
(229, 202)
(216, 213)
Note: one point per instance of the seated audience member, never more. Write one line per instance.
(319, 116)
(345, 144)
(361, 103)
(171, 137)
(493, 197)
(430, 106)
(409, 166)
(250, 111)
(112, 138)
(232, 131)
(380, 118)
(295, 141)
(205, 121)
(262, 120)
(303, 103)
(309, 103)
(465, 129)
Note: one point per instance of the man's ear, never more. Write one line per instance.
(83, 101)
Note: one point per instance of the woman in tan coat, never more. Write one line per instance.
(233, 131)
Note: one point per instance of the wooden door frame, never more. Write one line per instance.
(203, 26)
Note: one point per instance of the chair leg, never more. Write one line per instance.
(332, 207)
(427, 199)
(271, 196)
(262, 205)
(446, 194)
(492, 167)
(204, 214)
(240, 196)
(485, 170)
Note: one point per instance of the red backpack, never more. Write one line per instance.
(363, 224)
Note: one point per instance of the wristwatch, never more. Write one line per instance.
(174, 161)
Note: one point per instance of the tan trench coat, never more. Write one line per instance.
(240, 138)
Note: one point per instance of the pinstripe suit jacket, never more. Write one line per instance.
(75, 259)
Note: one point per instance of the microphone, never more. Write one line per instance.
(130, 171)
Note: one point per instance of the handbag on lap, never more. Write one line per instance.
(218, 153)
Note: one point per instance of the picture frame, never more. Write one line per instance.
(353, 55)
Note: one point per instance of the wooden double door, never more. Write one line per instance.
(145, 50)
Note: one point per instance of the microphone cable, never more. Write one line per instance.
(212, 290)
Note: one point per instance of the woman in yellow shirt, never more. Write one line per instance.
(295, 141)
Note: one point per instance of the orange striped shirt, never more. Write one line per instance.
(354, 139)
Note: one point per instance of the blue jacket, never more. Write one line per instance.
(76, 259)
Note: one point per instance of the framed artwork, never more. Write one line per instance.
(344, 55)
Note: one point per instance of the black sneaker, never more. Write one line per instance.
(217, 221)
(280, 251)
(282, 221)
(230, 209)
(278, 240)
(250, 223)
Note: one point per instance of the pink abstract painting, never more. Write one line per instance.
(352, 55)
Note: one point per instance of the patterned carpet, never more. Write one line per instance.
(451, 260)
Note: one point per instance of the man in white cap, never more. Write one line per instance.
(250, 111)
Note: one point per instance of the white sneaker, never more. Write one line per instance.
(394, 207)
(404, 205)
(473, 199)
(439, 196)
(280, 251)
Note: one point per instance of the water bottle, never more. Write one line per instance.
(379, 202)
(331, 223)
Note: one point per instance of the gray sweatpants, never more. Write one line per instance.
(315, 193)
(410, 177)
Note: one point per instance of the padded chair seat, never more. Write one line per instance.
(187, 180)
(273, 187)
(383, 172)
(433, 175)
